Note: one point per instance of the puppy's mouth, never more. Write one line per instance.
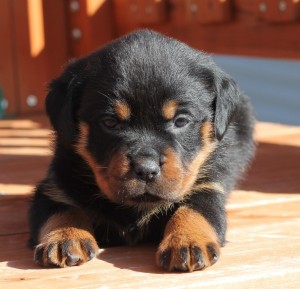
(132, 191)
(147, 198)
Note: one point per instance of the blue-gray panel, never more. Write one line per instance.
(273, 86)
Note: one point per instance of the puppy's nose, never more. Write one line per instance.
(146, 169)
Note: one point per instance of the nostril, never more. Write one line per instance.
(146, 169)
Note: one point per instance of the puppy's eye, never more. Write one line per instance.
(110, 123)
(181, 121)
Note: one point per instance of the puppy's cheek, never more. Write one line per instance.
(178, 179)
(119, 166)
(118, 175)
(172, 174)
(181, 178)
(81, 148)
(197, 167)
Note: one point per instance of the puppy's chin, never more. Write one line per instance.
(148, 204)
(147, 198)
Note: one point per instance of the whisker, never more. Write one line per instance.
(98, 167)
(105, 95)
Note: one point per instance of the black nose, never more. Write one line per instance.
(146, 169)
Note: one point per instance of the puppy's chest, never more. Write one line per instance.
(117, 229)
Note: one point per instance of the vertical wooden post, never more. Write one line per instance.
(8, 67)
(41, 48)
(91, 25)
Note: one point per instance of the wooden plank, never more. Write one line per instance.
(13, 214)
(25, 145)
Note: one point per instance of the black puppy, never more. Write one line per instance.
(151, 136)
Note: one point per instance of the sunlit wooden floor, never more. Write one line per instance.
(264, 223)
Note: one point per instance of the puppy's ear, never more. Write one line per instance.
(61, 102)
(226, 102)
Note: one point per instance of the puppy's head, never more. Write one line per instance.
(145, 113)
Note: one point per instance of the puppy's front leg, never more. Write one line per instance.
(190, 240)
(66, 240)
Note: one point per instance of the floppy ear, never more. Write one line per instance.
(226, 102)
(61, 102)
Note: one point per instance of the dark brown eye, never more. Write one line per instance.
(181, 121)
(110, 123)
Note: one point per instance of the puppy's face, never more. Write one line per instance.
(144, 118)
(143, 146)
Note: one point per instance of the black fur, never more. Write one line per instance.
(144, 69)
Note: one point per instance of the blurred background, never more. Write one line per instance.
(256, 41)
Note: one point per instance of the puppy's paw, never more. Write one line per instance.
(190, 242)
(66, 247)
(184, 253)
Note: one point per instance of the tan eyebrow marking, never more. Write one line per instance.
(169, 109)
(123, 110)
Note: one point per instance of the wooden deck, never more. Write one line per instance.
(264, 223)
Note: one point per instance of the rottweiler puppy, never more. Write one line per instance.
(150, 138)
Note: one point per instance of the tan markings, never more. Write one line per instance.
(188, 222)
(207, 131)
(187, 229)
(172, 168)
(209, 186)
(66, 235)
(117, 170)
(119, 164)
(123, 110)
(81, 148)
(67, 220)
(169, 109)
(194, 169)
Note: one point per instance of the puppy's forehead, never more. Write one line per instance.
(134, 78)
